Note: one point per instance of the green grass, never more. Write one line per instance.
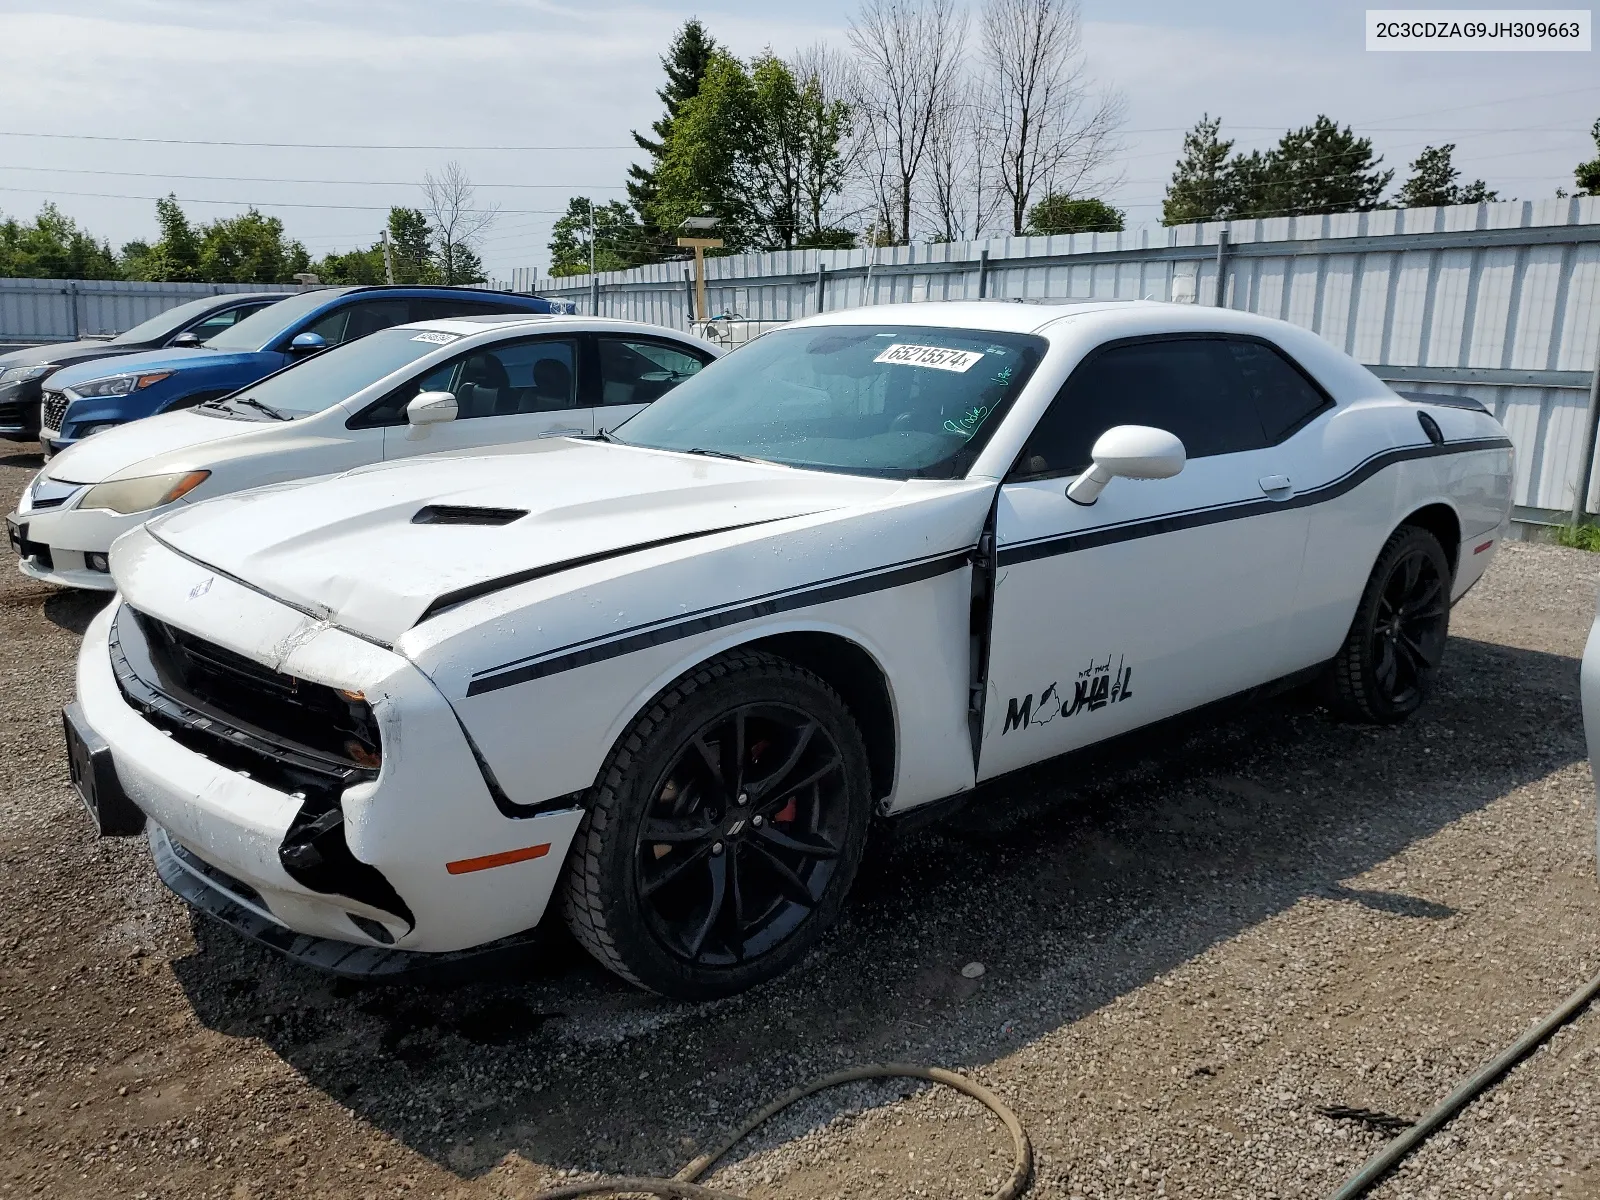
(1579, 537)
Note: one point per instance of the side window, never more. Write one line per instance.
(359, 319)
(429, 310)
(637, 372)
(214, 324)
(1187, 386)
(496, 381)
(1284, 398)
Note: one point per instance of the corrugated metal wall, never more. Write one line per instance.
(60, 310)
(1498, 301)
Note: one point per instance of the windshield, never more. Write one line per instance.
(893, 400)
(260, 330)
(325, 379)
(166, 323)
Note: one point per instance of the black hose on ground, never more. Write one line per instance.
(1381, 1163)
(682, 1186)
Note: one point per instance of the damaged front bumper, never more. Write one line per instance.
(370, 861)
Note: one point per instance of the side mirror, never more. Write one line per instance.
(1131, 451)
(432, 408)
(307, 343)
(187, 338)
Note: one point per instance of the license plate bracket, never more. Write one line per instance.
(95, 777)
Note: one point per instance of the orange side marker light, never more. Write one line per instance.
(464, 865)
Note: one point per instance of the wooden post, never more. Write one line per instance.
(700, 245)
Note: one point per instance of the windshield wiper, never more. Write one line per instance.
(723, 454)
(260, 407)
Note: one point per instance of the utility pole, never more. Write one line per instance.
(388, 258)
(594, 280)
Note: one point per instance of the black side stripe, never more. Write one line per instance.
(843, 588)
(501, 582)
(1132, 530)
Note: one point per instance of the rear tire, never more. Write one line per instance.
(1385, 670)
(724, 832)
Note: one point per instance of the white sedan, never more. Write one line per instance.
(432, 386)
(669, 678)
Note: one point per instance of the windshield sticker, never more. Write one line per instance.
(441, 339)
(940, 358)
(967, 424)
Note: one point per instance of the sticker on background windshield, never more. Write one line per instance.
(940, 358)
(442, 339)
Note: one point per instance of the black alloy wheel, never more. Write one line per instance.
(1386, 667)
(744, 834)
(725, 829)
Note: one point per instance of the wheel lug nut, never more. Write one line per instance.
(758, 822)
(716, 848)
(744, 798)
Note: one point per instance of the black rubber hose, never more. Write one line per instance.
(1381, 1163)
(682, 1186)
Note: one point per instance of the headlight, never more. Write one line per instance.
(136, 495)
(21, 374)
(117, 385)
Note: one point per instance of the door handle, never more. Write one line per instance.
(560, 432)
(1275, 485)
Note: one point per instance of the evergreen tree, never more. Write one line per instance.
(685, 63)
(1318, 168)
(1588, 174)
(1433, 182)
(1059, 213)
(708, 149)
(1201, 187)
(411, 246)
(52, 246)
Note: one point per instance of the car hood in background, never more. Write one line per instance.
(124, 451)
(64, 353)
(148, 362)
(350, 549)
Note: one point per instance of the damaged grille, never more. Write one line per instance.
(289, 733)
(54, 411)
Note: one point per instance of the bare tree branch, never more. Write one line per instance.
(911, 54)
(458, 221)
(1046, 128)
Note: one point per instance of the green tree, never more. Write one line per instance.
(459, 263)
(1588, 174)
(249, 248)
(51, 246)
(174, 256)
(352, 267)
(411, 246)
(685, 64)
(1318, 168)
(758, 149)
(1433, 182)
(1058, 213)
(1201, 187)
(618, 239)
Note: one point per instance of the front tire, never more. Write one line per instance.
(1385, 669)
(724, 832)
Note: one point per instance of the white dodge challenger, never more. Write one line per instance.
(668, 677)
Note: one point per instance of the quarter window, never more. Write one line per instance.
(1187, 386)
(637, 372)
(1284, 398)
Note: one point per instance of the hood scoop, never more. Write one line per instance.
(464, 514)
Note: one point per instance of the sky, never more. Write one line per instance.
(536, 98)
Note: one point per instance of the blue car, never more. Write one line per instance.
(84, 399)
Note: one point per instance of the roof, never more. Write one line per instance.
(465, 326)
(1002, 316)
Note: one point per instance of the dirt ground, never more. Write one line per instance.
(1189, 950)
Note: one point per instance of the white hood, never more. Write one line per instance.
(125, 449)
(347, 549)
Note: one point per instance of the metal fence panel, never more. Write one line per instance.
(61, 310)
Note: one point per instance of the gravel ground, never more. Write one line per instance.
(1189, 949)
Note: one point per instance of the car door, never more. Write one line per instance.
(634, 371)
(508, 392)
(1162, 594)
